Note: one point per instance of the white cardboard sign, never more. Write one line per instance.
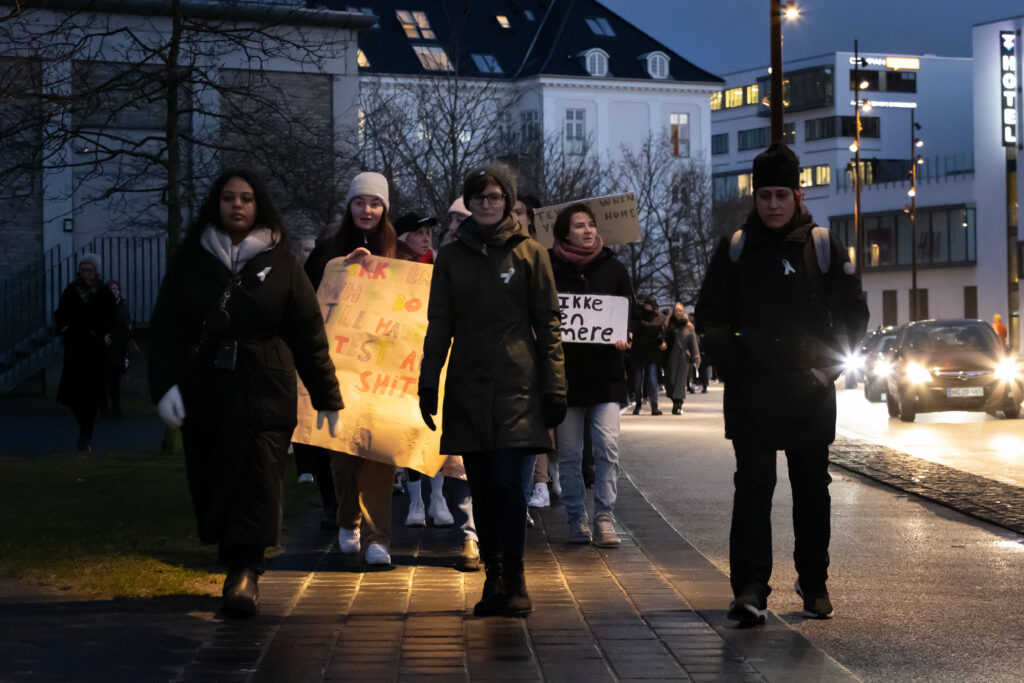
(616, 215)
(593, 318)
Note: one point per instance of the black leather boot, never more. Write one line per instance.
(492, 601)
(241, 592)
(517, 600)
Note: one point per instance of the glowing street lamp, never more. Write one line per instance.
(777, 11)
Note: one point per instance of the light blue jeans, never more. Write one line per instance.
(604, 435)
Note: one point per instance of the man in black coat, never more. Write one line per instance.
(777, 308)
(648, 328)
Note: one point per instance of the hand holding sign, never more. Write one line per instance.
(357, 256)
(594, 319)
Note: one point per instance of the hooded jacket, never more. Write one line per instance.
(767, 320)
(493, 302)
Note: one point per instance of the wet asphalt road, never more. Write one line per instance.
(921, 592)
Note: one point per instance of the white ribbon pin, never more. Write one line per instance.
(506, 277)
(787, 268)
(262, 275)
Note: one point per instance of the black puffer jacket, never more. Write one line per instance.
(595, 373)
(771, 317)
(85, 315)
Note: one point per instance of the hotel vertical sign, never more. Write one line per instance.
(1008, 79)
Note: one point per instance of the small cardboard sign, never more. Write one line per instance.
(593, 318)
(616, 215)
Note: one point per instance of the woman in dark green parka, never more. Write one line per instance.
(493, 301)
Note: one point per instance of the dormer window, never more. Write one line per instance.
(596, 62)
(487, 64)
(503, 21)
(600, 26)
(433, 58)
(415, 24)
(362, 60)
(657, 64)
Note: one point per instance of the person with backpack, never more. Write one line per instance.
(779, 304)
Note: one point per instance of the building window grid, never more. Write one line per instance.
(754, 138)
(716, 101)
(600, 26)
(529, 125)
(945, 236)
(575, 125)
(720, 143)
(751, 94)
(657, 66)
(432, 58)
(487, 64)
(679, 127)
(415, 24)
(503, 21)
(733, 98)
(597, 63)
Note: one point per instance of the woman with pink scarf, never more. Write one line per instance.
(596, 378)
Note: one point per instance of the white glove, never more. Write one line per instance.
(329, 416)
(171, 408)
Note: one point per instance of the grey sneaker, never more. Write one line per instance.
(604, 532)
(816, 603)
(579, 531)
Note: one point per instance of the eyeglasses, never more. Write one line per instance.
(494, 198)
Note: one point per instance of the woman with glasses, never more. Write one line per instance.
(493, 302)
(235, 319)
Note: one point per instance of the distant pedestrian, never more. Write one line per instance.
(1000, 328)
(776, 317)
(415, 238)
(117, 352)
(457, 213)
(493, 303)
(681, 357)
(85, 317)
(595, 376)
(235, 319)
(648, 344)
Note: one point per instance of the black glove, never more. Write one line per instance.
(552, 408)
(428, 408)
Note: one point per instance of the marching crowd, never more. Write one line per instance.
(237, 318)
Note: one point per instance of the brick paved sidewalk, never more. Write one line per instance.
(652, 610)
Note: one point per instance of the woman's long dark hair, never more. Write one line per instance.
(383, 238)
(209, 212)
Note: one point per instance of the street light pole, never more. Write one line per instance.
(775, 98)
(914, 144)
(858, 235)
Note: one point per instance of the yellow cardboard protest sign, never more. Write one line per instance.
(616, 214)
(375, 313)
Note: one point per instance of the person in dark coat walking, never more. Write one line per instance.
(85, 316)
(493, 302)
(777, 322)
(648, 338)
(117, 352)
(234, 319)
(595, 376)
(682, 354)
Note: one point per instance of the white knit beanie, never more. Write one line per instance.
(94, 259)
(459, 207)
(369, 184)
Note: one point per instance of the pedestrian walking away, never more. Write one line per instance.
(595, 378)
(776, 316)
(682, 354)
(234, 320)
(648, 344)
(493, 303)
(85, 317)
(364, 488)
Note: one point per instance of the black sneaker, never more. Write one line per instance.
(750, 609)
(816, 603)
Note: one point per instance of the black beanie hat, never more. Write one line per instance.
(479, 178)
(777, 166)
(411, 222)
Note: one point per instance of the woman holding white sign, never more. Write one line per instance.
(596, 377)
(493, 301)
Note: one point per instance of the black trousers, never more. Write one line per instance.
(317, 461)
(750, 538)
(499, 506)
(85, 416)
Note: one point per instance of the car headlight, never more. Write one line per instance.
(854, 361)
(882, 368)
(917, 374)
(1006, 370)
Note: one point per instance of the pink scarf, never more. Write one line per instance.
(578, 256)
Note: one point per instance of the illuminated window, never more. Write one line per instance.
(752, 94)
(487, 64)
(733, 98)
(823, 175)
(415, 24)
(716, 101)
(745, 184)
(503, 21)
(600, 26)
(432, 58)
(679, 124)
(657, 65)
(362, 60)
(597, 63)
(806, 177)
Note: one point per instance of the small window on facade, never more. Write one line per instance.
(716, 101)
(575, 125)
(503, 21)
(600, 26)
(415, 24)
(529, 15)
(362, 60)
(432, 58)
(733, 98)
(657, 65)
(529, 125)
(720, 143)
(487, 64)
(679, 128)
(752, 93)
(597, 63)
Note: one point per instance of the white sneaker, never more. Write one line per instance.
(348, 541)
(540, 498)
(305, 478)
(440, 515)
(377, 554)
(416, 516)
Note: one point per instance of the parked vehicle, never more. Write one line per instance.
(877, 363)
(952, 365)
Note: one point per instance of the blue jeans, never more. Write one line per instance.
(647, 374)
(499, 506)
(459, 491)
(604, 433)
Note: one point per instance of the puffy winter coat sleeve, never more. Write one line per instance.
(168, 327)
(440, 323)
(713, 313)
(545, 316)
(303, 331)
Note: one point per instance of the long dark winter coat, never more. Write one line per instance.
(682, 352)
(120, 339)
(493, 301)
(238, 423)
(595, 373)
(766, 327)
(85, 315)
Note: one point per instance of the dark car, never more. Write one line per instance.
(952, 365)
(877, 365)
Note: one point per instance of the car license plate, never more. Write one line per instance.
(965, 392)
